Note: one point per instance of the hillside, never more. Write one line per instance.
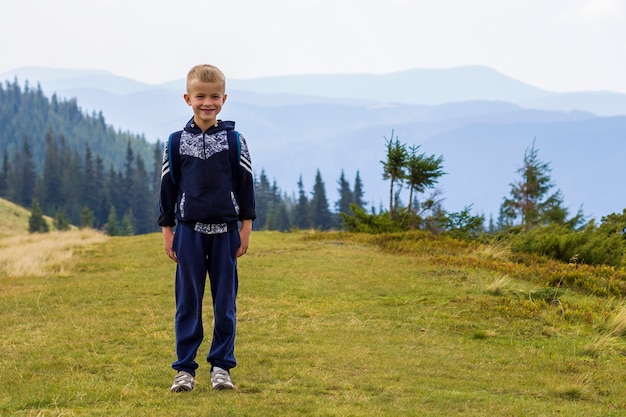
(437, 328)
(13, 219)
(27, 114)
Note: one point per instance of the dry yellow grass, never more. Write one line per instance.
(40, 254)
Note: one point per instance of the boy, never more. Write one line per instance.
(206, 199)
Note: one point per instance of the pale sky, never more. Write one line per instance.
(558, 45)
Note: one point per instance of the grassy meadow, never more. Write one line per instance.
(329, 325)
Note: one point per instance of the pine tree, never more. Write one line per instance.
(345, 195)
(530, 201)
(87, 218)
(422, 172)
(126, 227)
(115, 193)
(393, 169)
(89, 190)
(157, 166)
(23, 179)
(112, 227)
(4, 174)
(60, 222)
(36, 221)
(302, 215)
(128, 184)
(358, 193)
(73, 183)
(321, 216)
(262, 200)
(102, 202)
(275, 217)
(51, 196)
(141, 201)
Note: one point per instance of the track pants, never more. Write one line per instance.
(199, 254)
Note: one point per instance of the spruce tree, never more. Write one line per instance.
(60, 222)
(345, 195)
(531, 202)
(157, 166)
(36, 221)
(89, 184)
(128, 186)
(51, 196)
(112, 227)
(87, 218)
(4, 175)
(321, 217)
(141, 201)
(302, 215)
(358, 193)
(22, 182)
(102, 202)
(276, 217)
(262, 201)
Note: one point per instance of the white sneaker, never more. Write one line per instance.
(220, 379)
(183, 381)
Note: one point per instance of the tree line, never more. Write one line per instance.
(77, 189)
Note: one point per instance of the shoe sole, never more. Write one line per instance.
(181, 389)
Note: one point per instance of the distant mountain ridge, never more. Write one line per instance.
(480, 120)
(416, 86)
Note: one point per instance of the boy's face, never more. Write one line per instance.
(206, 100)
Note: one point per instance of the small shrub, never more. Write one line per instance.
(590, 246)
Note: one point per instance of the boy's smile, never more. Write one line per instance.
(206, 99)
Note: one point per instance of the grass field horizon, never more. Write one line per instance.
(329, 325)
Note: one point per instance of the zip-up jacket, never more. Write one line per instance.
(208, 192)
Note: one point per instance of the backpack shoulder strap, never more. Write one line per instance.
(173, 155)
(234, 147)
(234, 144)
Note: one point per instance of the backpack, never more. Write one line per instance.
(234, 147)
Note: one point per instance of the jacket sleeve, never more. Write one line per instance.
(245, 184)
(168, 194)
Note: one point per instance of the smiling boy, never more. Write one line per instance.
(207, 202)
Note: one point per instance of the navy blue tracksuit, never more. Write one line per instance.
(204, 203)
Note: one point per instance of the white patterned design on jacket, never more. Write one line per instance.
(201, 146)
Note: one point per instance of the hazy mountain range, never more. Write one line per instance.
(480, 120)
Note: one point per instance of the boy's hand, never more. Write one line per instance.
(168, 240)
(244, 235)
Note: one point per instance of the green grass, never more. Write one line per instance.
(329, 325)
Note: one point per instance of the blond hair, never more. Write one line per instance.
(207, 74)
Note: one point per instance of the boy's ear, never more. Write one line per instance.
(224, 99)
(187, 100)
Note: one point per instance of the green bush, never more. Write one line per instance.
(590, 246)
(361, 222)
